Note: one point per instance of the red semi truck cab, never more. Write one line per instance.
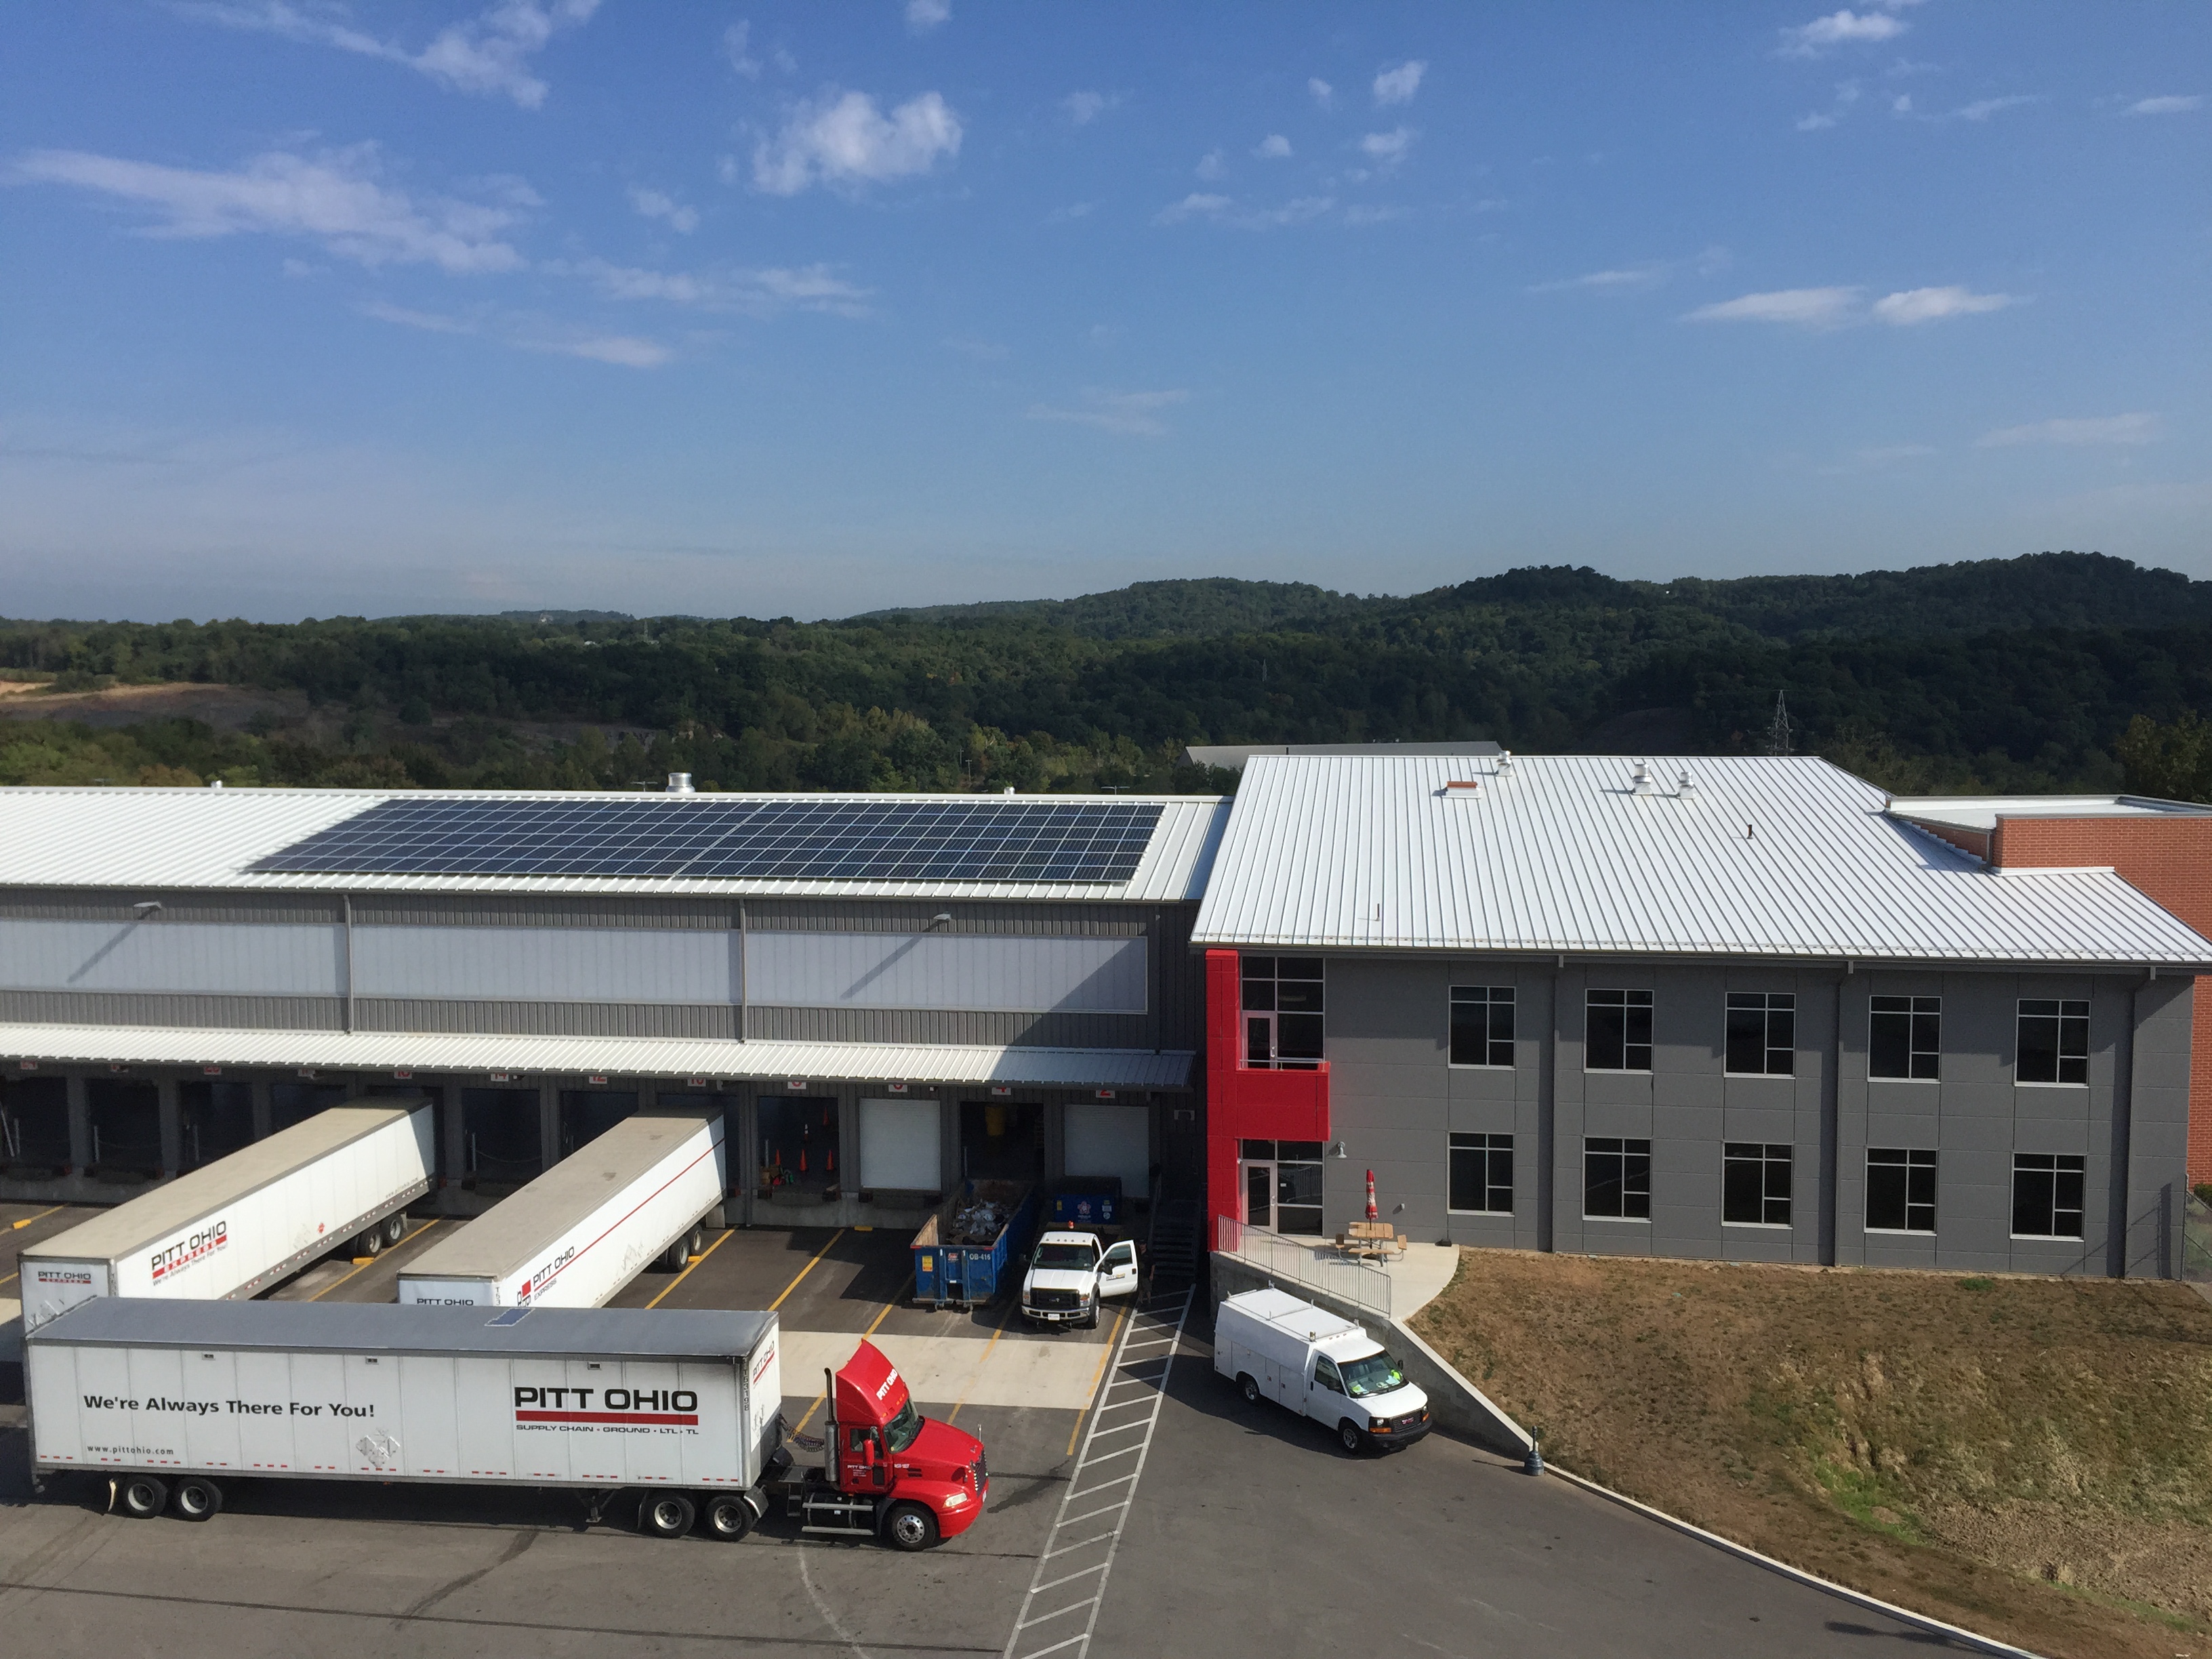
(888, 1471)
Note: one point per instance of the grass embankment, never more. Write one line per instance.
(2031, 1458)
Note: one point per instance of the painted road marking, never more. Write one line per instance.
(807, 1269)
(1073, 1532)
(693, 1262)
(957, 1368)
(368, 1261)
(18, 1226)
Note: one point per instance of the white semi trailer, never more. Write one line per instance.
(588, 1225)
(171, 1400)
(341, 1179)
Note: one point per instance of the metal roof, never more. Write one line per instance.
(1760, 857)
(1982, 812)
(157, 839)
(1230, 756)
(515, 1231)
(444, 1053)
(388, 1327)
(146, 1220)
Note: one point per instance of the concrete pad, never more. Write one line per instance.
(1053, 1375)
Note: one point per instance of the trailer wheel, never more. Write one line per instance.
(370, 1243)
(672, 1259)
(698, 1240)
(665, 1515)
(198, 1499)
(910, 1526)
(729, 1517)
(1250, 1389)
(1350, 1437)
(395, 1227)
(143, 1496)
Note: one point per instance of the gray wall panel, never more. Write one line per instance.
(579, 964)
(967, 972)
(295, 1013)
(529, 1018)
(106, 904)
(938, 1025)
(160, 954)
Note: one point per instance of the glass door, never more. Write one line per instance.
(1258, 1039)
(1259, 1183)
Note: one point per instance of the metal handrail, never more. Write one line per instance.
(2196, 1239)
(1309, 1262)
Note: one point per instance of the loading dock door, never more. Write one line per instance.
(901, 1147)
(1108, 1140)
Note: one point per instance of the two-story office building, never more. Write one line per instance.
(884, 993)
(1728, 1008)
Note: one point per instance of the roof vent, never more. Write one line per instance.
(1505, 763)
(1641, 782)
(215, 783)
(679, 783)
(1685, 787)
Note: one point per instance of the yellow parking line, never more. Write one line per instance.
(807, 1269)
(368, 1262)
(984, 1361)
(865, 1335)
(1119, 1320)
(693, 1262)
(18, 1226)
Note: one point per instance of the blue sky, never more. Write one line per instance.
(312, 308)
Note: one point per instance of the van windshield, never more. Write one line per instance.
(904, 1429)
(1078, 1257)
(1377, 1374)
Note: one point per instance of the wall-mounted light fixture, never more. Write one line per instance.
(1338, 1152)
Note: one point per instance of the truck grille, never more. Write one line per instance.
(1054, 1299)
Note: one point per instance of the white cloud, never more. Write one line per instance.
(334, 198)
(1901, 105)
(1929, 305)
(1807, 307)
(1840, 28)
(1129, 414)
(488, 54)
(1386, 149)
(1060, 215)
(2165, 106)
(1274, 147)
(625, 350)
(1982, 108)
(1363, 214)
(737, 43)
(1605, 282)
(1196, 205)
(1323, 94)
(750, 291)
(2136, 429)
(1223, 210)
(430, 322)
(658, 204)
(1082, 108)
(1815, 122)
(844, 139)
(1398, 85)
(301, 267)
(923, 15)
(1210, 166)
(728, 169)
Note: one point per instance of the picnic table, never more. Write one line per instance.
(1371, 1240)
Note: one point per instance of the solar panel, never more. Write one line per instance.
(981, 839)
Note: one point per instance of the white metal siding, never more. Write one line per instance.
(968, 972)
(1104, 1138)
(238, 958)
(545, 965)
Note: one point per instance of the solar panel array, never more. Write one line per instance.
(965, 840)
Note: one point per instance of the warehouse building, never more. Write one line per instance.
(1746, 1009)
(883, 992)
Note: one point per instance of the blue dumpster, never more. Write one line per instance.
(960, 1254)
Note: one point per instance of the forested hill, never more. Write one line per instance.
(2023, 673)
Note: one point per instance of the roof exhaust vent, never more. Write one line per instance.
(1641, 782)
(679, 783)
(1505, 763)
(1685, 787)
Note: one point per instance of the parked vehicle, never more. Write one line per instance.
(1070, 1274)
(887, 1471)
(589, 1225)
(1321, 1365)
(172, 1400)
(1088, 1203)
(960, 1255)
(341, 1179)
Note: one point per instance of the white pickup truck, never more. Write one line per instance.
(1071, 1274)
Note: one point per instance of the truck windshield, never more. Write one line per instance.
(900, 1432)
(1377, 1374)
(1078, 1257)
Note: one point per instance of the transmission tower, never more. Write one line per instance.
(1778, 734)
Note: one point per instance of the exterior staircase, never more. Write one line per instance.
(1173, 1250)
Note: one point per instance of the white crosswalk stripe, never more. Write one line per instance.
(1078, 1551)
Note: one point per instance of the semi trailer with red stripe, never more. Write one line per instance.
(631, 1198)
(340, 1180)
(176, 1406)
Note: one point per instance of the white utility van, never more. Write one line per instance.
(1320, 1365)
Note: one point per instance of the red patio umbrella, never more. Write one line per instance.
(1371, 1212)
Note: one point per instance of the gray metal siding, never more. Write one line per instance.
(158, 954)
(980, 973)
(2157, 1148)
(576, 964)
(274, 1013)
(109, 904)
(531, 1019)
(935, 1025)
(500, 910)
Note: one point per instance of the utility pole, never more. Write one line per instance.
(1778, 734)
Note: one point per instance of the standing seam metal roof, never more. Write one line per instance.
(1560, 854)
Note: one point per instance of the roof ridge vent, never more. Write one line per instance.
(1642, 783)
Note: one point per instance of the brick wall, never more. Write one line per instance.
(2169, 859)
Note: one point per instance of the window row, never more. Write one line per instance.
(1904, 1034)
(1757, 1183)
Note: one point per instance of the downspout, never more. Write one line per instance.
(347, 901)
(741, 970)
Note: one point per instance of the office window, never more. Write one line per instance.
(1482, 1025)
(1282, 1012)
(2046, 1195)
(1617, 1032)
(1762, 1033)
(1617, 1178)
(2054, 1041)
(1900, 1196)
(1482, 1174)
(1755, 1183)
(1904, 1036)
